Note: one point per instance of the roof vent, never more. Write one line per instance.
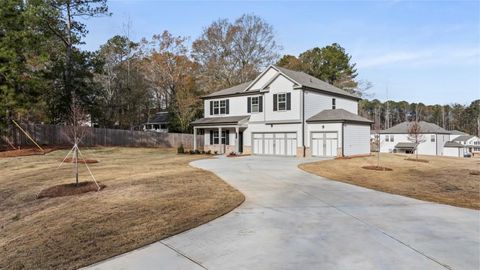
(311, 80)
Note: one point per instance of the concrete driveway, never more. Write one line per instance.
(294, 220)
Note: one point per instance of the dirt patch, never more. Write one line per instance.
(417, 160)
(83, 161)
(445, 180)
(376, 168)
(474, 172)
(69, 189)
(151, 193)
(27, 152)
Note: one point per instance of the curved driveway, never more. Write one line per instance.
(295, 220)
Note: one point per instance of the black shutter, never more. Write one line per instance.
(249, 105)
(288, 101)
(211, 137)
(260, 104)
(227, 106)
(274, 102)
(227, 137)
(211, 107)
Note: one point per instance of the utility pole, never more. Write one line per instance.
(387, 113)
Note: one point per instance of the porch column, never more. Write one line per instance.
(237, 139)
(220, 150)
(194, 138)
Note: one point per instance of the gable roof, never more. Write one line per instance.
(301, 79)
(463, 138)
(338, 115)
(425, 128)
(454, 144)
(309, 81)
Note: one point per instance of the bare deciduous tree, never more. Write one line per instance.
(233, 53)
(415, 135)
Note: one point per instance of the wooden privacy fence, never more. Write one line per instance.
(58, 135)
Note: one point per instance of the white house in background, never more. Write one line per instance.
(456, 133)
(469, 142)
(285, 113)
(159, 123)
(395, 139)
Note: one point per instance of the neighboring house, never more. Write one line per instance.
(454, 149)
(456, 133)
(395, 139)
(285, 113)
(470, 142)
(159, 123)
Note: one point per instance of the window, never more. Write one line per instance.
(215, 139)
(334, 103)
(282, 102)
(392, 138)
(219, 107)
(255, 104)
(432, 138)
(223, 106)
(387, 138)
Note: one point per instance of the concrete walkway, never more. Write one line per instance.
(294, 220)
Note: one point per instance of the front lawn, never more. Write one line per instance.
(443, 179)
(150, 194)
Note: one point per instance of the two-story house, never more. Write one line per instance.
(285, 113)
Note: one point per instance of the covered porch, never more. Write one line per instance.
(222, 135)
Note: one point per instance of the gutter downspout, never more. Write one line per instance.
(343, 139)
(303, 122)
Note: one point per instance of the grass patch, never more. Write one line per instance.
(442, 180)
(151, 194)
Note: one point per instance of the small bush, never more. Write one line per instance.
(202, 152)
(191, 152)
(180, 149)
(209, 152)
(216, 152)
(197, 151)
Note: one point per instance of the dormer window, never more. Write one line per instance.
(334, 103)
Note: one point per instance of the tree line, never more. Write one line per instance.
(43, 71)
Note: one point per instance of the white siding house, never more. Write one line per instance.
(287, 113)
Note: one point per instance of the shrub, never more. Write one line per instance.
(216, 152)
(209, 152)
(233, 153)
(191, 152)
(180, 149)
(197, 151)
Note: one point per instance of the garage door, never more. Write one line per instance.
(324, 144)
(275, 144)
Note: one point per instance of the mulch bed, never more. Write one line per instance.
(29, 151)
(69, 189)
(71, 160)
(417, 160)
(377, 168)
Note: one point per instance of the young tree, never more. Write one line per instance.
(233, 53)
(415, 135)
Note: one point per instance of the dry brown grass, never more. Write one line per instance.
(151, 194)
(442, 179)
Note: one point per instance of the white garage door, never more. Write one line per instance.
(275, 144)
(324, 144)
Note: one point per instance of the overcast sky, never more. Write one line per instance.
(421, 51)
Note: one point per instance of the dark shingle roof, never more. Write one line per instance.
(425, 128)
(339, 115)
(463, 138)
(406, 145)
(309, 81)
(237, 89)
(457, 132)
(453, 144)
(227, 120)
(299, 77)
(160, 117)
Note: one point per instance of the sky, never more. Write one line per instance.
(418, 51)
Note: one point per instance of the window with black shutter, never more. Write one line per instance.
(249, 105)
(260, 103)
(274, 102)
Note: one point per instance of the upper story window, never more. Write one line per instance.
(255, 104)
(218, 107)
(334, 103)
(432, 138)
(282, 102)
